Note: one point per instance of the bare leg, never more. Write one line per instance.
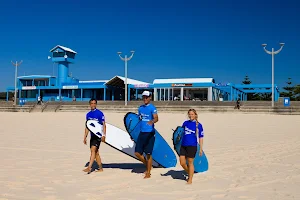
(191, 170)
(149, 166)
(92, 158)
(182, 160)
(98, 160)
(141, 157)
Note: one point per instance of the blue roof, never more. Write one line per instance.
(35, 76)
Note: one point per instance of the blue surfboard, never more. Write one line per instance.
(200, 162)
(162, 152)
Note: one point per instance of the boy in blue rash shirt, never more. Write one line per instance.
(189, 143)
(95, 141)
(146, 139)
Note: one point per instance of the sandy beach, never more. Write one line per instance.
(251, 156)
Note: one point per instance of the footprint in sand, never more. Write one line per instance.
(48, 188)
(57, 181)
(84, 194)
(234, 185)
(8, 195)
(48, 192)
(219, 196)
(35, 185)
(50, 198)
(16, 188)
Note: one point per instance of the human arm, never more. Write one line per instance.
(155, 117)
(200, 135)
(86, 132)
(104, 132)
(201, 146)
(104, 129)
(154, 120)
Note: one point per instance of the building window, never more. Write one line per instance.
(26, 82)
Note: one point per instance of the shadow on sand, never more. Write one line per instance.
(134, 167)
(180, 175)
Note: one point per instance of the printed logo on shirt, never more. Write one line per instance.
(91, 118)
(188, 131)
(145, 117)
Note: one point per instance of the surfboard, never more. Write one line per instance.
(115, 138)
(200, 162)
(162, 152)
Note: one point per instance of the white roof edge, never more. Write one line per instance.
(184, 80)
(93, 81)
(64, 48)
(28, 76)
(130, 81)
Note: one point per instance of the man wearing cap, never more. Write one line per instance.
(146, 139)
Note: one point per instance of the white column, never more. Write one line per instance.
(159, 94)
(164, 94)
(209, 94)
(172, 94)
(181, 94)
(155, 94)
(168, 94)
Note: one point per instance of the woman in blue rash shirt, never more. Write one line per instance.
(189, 143)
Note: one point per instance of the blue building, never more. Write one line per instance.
(64, 87)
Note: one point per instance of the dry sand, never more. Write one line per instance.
(251, 156)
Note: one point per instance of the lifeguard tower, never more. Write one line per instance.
(63, 56)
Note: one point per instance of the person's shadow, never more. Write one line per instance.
(180, 175)
(134, 167)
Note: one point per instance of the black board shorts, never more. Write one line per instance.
(95, 141)
(145, 143)
(188, 151)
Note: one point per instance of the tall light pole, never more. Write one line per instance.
(126, 59)
(16, 64)
(273, 53)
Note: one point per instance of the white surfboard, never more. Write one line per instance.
(115, 137)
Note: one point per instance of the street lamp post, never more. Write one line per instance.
(16, 64)
(126, 59)
(273, 53)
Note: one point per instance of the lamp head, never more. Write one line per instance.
(65, 56)
(119, 52)
(49, 57)
(132, 51)
(264, 45)
(282, 44)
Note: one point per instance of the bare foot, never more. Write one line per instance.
(147, 175)
(100, 170)
(87, 169)
(189, 181)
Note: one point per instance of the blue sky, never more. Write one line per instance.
(172, 39)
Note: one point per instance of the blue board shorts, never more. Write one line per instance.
(145, 143)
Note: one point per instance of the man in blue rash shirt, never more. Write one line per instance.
(146, 139)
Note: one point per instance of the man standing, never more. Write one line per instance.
(95, 141)
(146, 139)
